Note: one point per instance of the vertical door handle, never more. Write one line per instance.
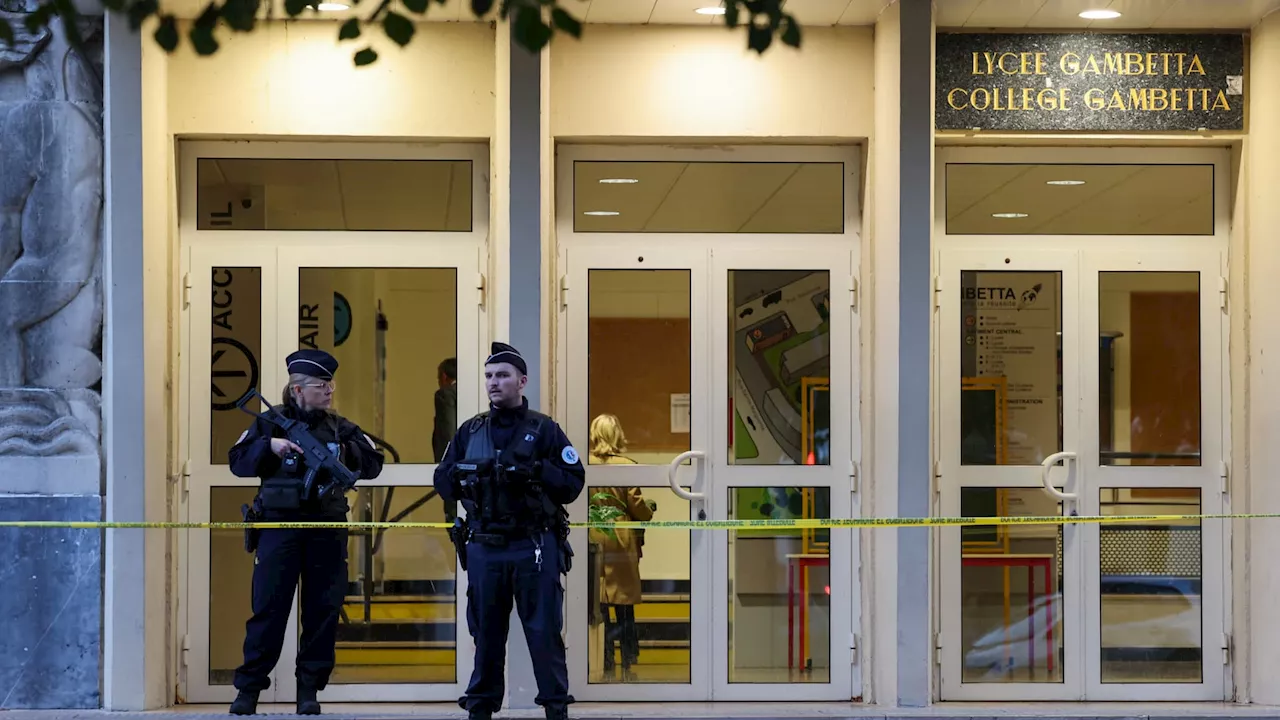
(675, 467)
(1049, 489)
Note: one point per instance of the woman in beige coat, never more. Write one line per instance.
(621, 549)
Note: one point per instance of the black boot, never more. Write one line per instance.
(246, 703)
(307, 703)
(479, 714)
(557, 713)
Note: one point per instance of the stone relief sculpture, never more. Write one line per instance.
(50, 228)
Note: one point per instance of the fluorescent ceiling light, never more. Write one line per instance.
(710, 11)
(618, 181)
(603, 213)
(1065, 182)
(332, 7)
(1099, 14)
(1008, 215)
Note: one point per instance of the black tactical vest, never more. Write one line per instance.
(502, 503)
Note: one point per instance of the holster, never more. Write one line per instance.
(251, 535)
(458, 535)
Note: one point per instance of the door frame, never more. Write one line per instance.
(699, 248)
(1217, 545)
(470, 247)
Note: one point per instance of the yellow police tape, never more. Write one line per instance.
(665, 524)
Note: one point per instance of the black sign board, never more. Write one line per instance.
(1089, 81)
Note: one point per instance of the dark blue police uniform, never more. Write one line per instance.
(513, 470)
(283, 556)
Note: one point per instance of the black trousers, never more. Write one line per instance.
(319, 558)
(620, 627)
(495, 577)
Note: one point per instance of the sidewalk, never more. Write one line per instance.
(710, 711)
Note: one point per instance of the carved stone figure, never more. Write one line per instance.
(50, 228)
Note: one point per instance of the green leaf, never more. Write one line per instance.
(531, 33)
(566, 22)
(6, 32)
(759, 37)
(481, 7)
(202, 39)
(416, 6)
(240, 15)
(166, 34)
(398, 28)
(295, 7)
(366, 56)
(790, 31)
(731, 13)
(350, 29)
(140, 11)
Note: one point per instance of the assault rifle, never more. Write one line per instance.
(315, 455)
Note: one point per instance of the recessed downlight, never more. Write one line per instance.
(601, 213)
(1065, 182)
(618, 181)
(1099, 14)
(710, 11)
(1006, 216)
(332, 7)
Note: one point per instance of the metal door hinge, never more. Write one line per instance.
(186, 649)
(186, 290)
(937, 291)
(853, 293)
(564, 291)
(937, 648)
(1224, 476)
(1226, 648)
(184, 477)
(480, 286)
(1222, 293)
(853, 647)
(853, 476)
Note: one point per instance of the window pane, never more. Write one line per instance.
(1151, 576)
(1010, 367)
(639, 624)
(1149, 368)
(286, 194)
(779, 367)
(708, 197)
(638, 344)
(236, 324)
(390, 329)
(398, 622)
(1008, 199)
(779, 588)
(1011, 620)
(230, 583)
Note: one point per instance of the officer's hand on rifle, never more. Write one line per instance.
(283, 446)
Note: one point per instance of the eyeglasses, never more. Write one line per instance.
(330, 386)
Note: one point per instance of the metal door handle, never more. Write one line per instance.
(1049, 462)
(671, 475)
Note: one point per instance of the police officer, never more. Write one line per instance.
(513, 470)
(318, 556)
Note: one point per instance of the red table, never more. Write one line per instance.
(1030, 562)
(801, 562)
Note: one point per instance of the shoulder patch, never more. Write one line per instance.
(569, 455)
(370, 441)
(243, 435)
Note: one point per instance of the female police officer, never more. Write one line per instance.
(319, 556)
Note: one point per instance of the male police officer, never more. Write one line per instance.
(513, 470)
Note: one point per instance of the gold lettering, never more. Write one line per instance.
(1175, 94)
(1069, 63)
(1204, 98)
(1115, 61)
(1117, 101)
(1138, 98)
(1181, 62)
(976, 71)
(1000, 63)
(1091, 66)
(1039, 63)
(1196, 68)
(1132, 64)
(1093, 99)
(1158, 99)
(986, 99)
(1151, 63)
(951, 99)
(1221, 101)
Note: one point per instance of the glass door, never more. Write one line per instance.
(392, 311)
(1090, 382)
(710, 385)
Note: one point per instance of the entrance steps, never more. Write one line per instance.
(709, 711)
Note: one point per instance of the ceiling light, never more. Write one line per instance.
(332, 7)
(618, 181)
(710, 11)
(1099, 14)
(601, 213)
(1008, 215)
(1065, 182)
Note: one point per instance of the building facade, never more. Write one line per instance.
(959, 258)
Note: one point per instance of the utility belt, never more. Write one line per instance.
(282, 498)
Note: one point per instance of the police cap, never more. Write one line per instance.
(313, 363)
(504, 353)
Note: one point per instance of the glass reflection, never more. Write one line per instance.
(639, 618)
(230, 583)
(236, 324)
(398, 622)
(1151, 577)
(1149, 368)
(390, 329)
(1010, 367)
(779, 588)
(779, 367)
(639, 345)
(1011, 620)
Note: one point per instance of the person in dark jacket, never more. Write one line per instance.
(317, 556)
(446, 418)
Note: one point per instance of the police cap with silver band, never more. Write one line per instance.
(504, 353)
(314, 363)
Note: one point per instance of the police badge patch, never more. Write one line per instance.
(569, 455)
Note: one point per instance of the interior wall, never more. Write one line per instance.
(294, 78)
(679, 82)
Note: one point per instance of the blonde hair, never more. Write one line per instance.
(295, 379)
(607, 437)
